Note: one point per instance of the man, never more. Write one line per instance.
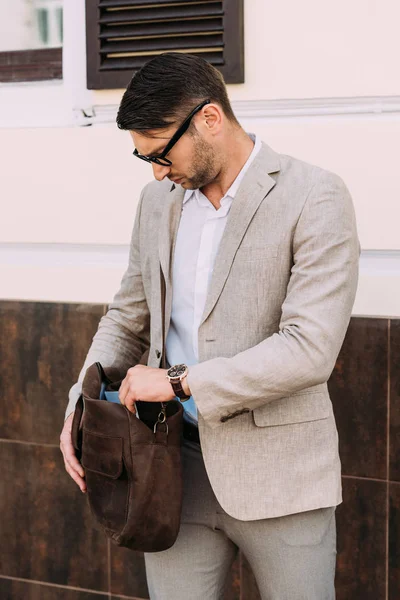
(259, 252)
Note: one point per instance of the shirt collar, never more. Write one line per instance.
(231, 193)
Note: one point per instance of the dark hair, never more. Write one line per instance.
(167, 88)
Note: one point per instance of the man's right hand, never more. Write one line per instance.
(72, 464)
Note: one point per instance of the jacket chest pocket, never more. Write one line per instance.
(297, 408)
(256, 253)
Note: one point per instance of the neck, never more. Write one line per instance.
(240, 146)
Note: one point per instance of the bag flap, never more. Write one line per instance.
(92, 382)
(102, 454)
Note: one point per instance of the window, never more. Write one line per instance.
(122, 35)
(31, 37)
(43, 23)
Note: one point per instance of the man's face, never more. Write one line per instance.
(193, 158)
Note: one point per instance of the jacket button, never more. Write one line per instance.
(158, 353)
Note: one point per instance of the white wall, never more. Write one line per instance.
(321, 84)
(57, 181)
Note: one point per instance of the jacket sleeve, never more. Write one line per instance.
(123, 334)
(315, 314)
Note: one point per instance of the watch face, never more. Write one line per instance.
(177, 370)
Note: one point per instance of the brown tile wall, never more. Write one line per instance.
(45, 557)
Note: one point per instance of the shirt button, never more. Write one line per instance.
(158, 353)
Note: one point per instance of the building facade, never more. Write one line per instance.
(322, 84)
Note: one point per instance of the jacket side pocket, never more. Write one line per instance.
(297, 408)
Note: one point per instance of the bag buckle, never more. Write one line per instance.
(161, 419)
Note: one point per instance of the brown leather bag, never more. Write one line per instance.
(132, 466)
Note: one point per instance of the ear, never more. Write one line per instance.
(211, 119)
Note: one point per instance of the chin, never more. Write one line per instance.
(185, 184)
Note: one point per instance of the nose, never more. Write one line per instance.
(160, 171)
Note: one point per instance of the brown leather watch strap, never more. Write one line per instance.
(179, 391)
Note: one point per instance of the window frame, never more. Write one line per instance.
(34, 64)
(30, 65)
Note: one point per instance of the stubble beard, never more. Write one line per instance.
(204, 164)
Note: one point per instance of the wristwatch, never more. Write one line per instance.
(175, 374)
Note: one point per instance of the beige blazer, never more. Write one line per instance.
(277, 310)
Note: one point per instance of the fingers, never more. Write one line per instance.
(72, 464)
(122, 391)
(72, 461)
(126, 396)
(78, 480)
(130, 405)
(75, 471)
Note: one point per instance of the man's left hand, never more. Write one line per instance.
(144, 383)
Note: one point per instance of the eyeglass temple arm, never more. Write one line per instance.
(181, 130)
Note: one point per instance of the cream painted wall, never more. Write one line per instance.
(93, 274)
(69, 185)
(62, 183)
(81, 185)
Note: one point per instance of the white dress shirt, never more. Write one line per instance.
(200, 231)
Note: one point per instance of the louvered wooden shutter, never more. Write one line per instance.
(122, 35)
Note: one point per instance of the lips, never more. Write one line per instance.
(177, 180)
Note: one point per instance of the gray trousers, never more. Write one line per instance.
(292, 557)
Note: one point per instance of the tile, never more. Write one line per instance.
(358, 389)
(42, 349)
(232, 588)
(361, 545)
(394, 469)
(128, 575)
(22, 590)
(47, 528)
(248, 582)
(124, 597)
(394, 541)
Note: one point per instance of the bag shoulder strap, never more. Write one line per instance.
(163, 294)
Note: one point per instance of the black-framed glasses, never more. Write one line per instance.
(160, 159)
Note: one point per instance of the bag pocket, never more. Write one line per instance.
(106, 478)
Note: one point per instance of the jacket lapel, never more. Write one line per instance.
(168, 229)
(256, 184)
